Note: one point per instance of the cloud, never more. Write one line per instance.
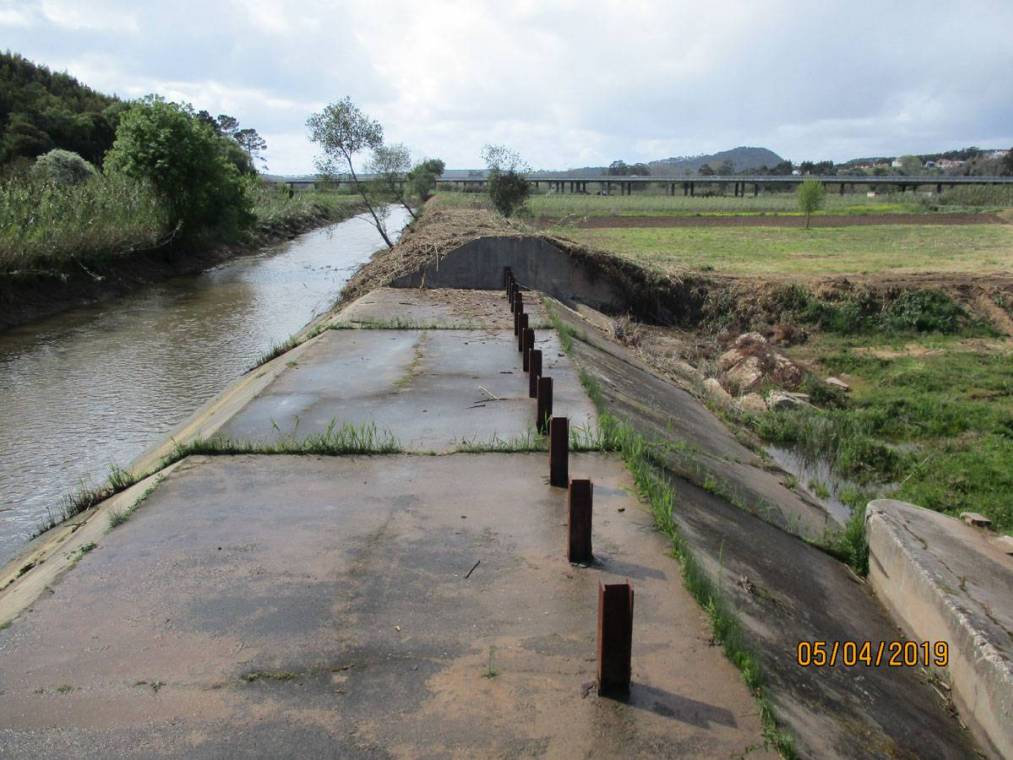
(566, 83)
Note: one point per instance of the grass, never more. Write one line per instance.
(46, 227)
(929, 418)
(43, 226)
(556, 206)
(815, 252)
(118, 518)
(334, 441)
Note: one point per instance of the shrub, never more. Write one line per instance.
(924, 311)
(185, 161)
(62, 167)
(509, 191)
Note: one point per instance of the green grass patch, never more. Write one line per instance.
(930, 418)
(334, 441)
(818, 251)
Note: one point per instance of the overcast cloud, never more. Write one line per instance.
(564, 83)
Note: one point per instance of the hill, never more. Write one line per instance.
(741, 159)
(41, 110)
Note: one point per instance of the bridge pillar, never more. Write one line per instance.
(842, 188)
(756, 189)
(692, 189)
(939, 189)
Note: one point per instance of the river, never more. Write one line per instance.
(96, 386)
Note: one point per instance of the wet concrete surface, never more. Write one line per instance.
(451, 308)
(431, 389)
(323, 607)
(782, 589)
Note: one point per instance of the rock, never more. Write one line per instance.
(729, 359)
(780, 401)
(975, 520)
(1005, 544)
(746, 375)
(785, 372)
(836, 382)
(716, 392)
(750, 339)
(752, 361)
(753, 402)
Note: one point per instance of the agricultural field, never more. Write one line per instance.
(793, 251)
(557, 206)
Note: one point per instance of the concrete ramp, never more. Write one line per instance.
(537, 264)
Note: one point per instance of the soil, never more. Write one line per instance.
(605, 222)
(28, 296)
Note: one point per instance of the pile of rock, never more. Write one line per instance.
(752, 364)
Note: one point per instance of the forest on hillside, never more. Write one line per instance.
(41, 110)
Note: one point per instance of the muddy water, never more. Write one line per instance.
(95, 387)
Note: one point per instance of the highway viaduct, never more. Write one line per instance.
(740, 185)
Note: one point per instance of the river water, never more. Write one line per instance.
(96, 386)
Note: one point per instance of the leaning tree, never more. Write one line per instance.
(342, 131)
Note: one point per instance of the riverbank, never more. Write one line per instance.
(28, 295)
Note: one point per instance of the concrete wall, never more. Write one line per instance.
(536, 263)
(942, 581)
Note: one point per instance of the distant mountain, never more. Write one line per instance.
(742, 159)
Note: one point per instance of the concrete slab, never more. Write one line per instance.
(306, 606)
(448, 308)
(431, 389)
(945, 581)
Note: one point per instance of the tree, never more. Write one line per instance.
(423, 176)
(910, 165)
(810, 197)
(640, 170)
(185, 161)
(389, 166)
(62, 167)
(251, 142)
(618, 169)
(706, 171)
(508, 189)
(1007, 163)
(342, 130)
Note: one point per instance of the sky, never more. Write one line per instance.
(563, 83)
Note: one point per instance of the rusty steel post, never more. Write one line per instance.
(508, 277)
(526, 345)
(544, 411)
(578, 548)
(522, 328)
(615, 638)
(517, 321)
(518, 300)
(534, 372)
(559, 451)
